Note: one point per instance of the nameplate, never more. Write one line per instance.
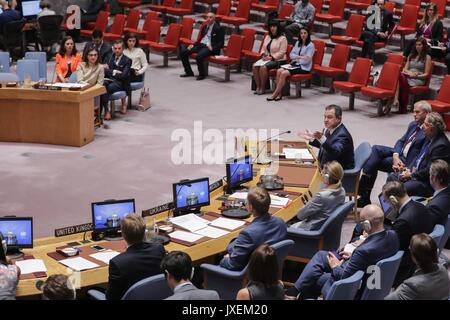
(158, 209)
(73, 230)
(45, 87)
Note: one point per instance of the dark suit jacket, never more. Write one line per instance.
(105, 50)
(413, 219)
(138, 262)
(124, 66)
(217, 37)
(416, 146)
(439, 207)
(263, 229)
(438, 149)
(387, 22)
(95, 6)
(339, 147)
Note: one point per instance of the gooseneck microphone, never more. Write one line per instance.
(277, 135)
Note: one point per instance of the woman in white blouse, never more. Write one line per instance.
(138, 60)
(301, 62)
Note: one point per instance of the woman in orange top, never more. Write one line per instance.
(66, 60)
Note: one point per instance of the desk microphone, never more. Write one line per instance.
(52, 80)
(277, 135)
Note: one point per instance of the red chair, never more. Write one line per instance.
(385, 88)
(407, 23)
(389, 6)
(352, 32)
(186, 7)
(253, 55)
(162, 7)
(100, 24)
(285, 11)
(186, 32)
(440, 4)
(128, 4)
(133, 18)
(442, 102)
(358, 5)
(396, 58)
(249, 39)
(418, 90)
(335, 14)
(153, 35)
(241, 16)
(337, 65)
(151, 15)
(267, 7)
(170, 43)
(319, 45)
(209, 3)
(91, 25)
(223, 10)
(399, 11)
(234, 49)
(116, 28)
(359, 77)
(317, 5)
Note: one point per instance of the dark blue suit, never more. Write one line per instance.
(8, 16)
(263, 229)
(317, 277)
(338, 146)
(439, 207)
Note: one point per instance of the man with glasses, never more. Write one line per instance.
(103, 47)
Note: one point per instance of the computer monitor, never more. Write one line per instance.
(239, 170)
(190, 195)
(31, 8)
(389, 212)
(108, 215)
(18, 234)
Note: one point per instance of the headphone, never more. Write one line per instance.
(393, 200)
(4, 245)
(366, 225)
(326, 178)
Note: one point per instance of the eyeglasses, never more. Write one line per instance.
(92, 54)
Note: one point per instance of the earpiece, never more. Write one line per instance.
(326, 178)
(393, 200)
(366, 225)
(192, 273)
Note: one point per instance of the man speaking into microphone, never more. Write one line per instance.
(334, 141)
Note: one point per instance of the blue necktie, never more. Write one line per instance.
(422, 153)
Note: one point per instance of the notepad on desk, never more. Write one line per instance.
(239, 195)
(276, 201)
(105, 256)
(293, 153)
(31, 266)
(212, 232)
(190, 222)
(79, 264)
(185, 236)
(228, 224)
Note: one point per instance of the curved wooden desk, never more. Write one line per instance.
(54, 117)
(197, 252)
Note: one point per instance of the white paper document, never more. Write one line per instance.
(185, 236)
(239, 195)
(349, 248)
(290, 66)
(190, 222)
(276, 201)
(31, 266)
(104, 256)
(79, 264)
(292, 153)
(261, 63)
(228, 224)
(212, 232)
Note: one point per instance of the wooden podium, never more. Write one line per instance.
(61, 117)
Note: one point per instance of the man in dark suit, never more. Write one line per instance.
(335, 142)
(412, 218)
(177, 267)
(439, 206)
(209, 42)
(263, 229)
(387, 159)
(9, 14)
(375, 33)
(325, 268)
(90, 14)
(117, 74)
(103, 47)
(139, 261)
(417, 176)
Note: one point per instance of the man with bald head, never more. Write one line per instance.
(327, 267)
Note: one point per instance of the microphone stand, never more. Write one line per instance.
(268, 140)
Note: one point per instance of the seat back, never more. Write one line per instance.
(355, 26)
(339, 57)
(288, 52)
(444, 90)
(151, 288)
(351, 176)
(446, 235)
(224, 8)
(8, 76)
(282, 249)
(345, 289)
(285, 10)
(102, 21)
(118, 24)
(249, 38)
(186, 4)
(437, 234)
(12, 33)
(396, 58)
(274, 3)
(152, 15)
(337, 8)
(243, 9)
(388, 76)
(188, 27)
(28, 67)
(154, 31)
(173, 34)
(4, 61)
(361, 71)
(317, 5)
(133, 18)
(388, 269)
(169, 3)
(42, 58)
(440, 4)
(389, 6)
(319, 46)
(50, 29)
(234, 46)
(409, 16)
(73, 78)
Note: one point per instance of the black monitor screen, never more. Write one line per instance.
(108, 215)
(386, 206)
(17, 231)
(31, 8)
(191, 194)
(239, 170)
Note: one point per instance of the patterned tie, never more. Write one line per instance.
(421, 155)
(410, 139)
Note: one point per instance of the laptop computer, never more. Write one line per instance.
(389, 212)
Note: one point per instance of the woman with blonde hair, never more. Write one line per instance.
(314, 214)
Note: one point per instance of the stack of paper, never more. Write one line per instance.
(104, 256)
(211, 232)
(292, 153)
(239, 195)
(228, 224)
(79, 264)
(276, 201)
(349, 248)
(31, 266)
(185, 236)
(260, 63)
(190, 222)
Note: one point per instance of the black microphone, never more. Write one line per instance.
(277, 135)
